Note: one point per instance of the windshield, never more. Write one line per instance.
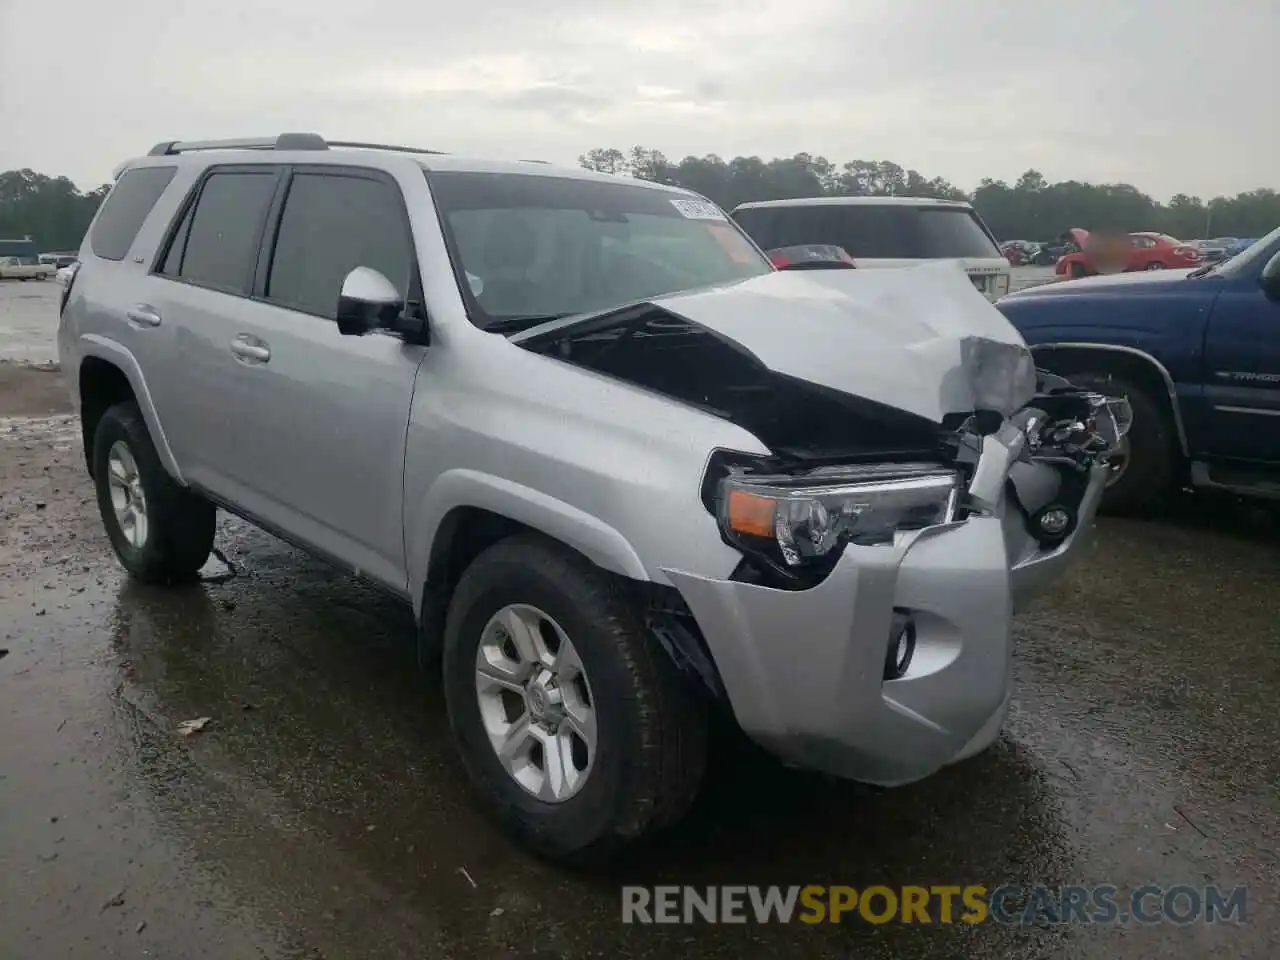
(873, 231)
(1253, 255)
(545, 246)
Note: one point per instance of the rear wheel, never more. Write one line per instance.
(574, 726)
(1078, 271)
(1142, 471)
(161, 531)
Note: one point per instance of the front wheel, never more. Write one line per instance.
(161, 531)
(1142, 471)
(1154, 265)
(574, 726)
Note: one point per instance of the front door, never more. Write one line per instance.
(327, 414)
(1242, 372)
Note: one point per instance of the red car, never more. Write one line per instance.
(1147, 251)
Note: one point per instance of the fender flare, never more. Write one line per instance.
(593, 538)
(1159, 367)
(103, 348)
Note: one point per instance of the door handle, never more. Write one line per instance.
(143, 315)
(249, 349)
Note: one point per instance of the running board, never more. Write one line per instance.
(1245, 483)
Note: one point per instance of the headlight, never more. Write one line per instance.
(797, 521)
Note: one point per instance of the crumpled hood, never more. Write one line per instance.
(921, 339)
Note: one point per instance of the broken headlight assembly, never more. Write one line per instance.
(1075, 431)
(798, 525)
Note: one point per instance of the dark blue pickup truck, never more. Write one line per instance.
(1197, 352)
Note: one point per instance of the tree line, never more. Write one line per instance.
(1031, 208)
(50, 210)
(56, 214)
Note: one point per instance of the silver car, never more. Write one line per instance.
(625, 471)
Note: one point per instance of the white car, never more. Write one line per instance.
(20, 268)
(884, 232)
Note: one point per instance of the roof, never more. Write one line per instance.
(448, 162)
(857, 202)
(312, 148)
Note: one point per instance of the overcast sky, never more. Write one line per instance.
(1171, 95)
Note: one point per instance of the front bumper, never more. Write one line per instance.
(804, 670)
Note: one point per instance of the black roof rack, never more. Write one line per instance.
(285, 141)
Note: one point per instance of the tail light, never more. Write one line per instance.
(1189, 253)
(72, 271)
(813, 256)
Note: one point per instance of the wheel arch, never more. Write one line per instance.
(1067, 358)
(108, 374)
(468, 511)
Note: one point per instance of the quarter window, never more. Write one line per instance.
(331, 224)
(126, 209)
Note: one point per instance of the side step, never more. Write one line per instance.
(1237, 480)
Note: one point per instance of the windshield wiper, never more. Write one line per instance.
(516, 324)
(1207, 268)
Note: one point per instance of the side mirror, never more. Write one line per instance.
(368, 301)
(1270, 279)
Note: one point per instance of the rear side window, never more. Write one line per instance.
(125, 210)
(222, 231)
(873, 231)
(331, 224)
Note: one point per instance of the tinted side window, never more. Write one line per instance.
(125, 210)
(178, 245)
(799, 227)
(952, 232)
(757, 223)
(332, 224)
(222, 243)
(793, 226)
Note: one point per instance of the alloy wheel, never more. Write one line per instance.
(128, 499)
(536, 702)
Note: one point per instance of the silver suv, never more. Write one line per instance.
(624, 470)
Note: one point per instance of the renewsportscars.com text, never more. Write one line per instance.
(940, 904)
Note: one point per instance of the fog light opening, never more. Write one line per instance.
(902, 646)
(1053, 524)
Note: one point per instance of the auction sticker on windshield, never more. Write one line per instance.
(738, 249)
(698, 209)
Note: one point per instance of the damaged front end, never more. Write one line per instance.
(878, 428)
(1041, 471)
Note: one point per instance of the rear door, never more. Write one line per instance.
(199, 284)
(1142, 251)
(322, 416)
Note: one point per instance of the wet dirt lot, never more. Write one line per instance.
(323, 813)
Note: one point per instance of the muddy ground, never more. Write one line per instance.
(323, 813)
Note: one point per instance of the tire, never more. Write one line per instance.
(1152, 450)
(1154, 265)
(651, 741)
(178, 535)
(1078, 271)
